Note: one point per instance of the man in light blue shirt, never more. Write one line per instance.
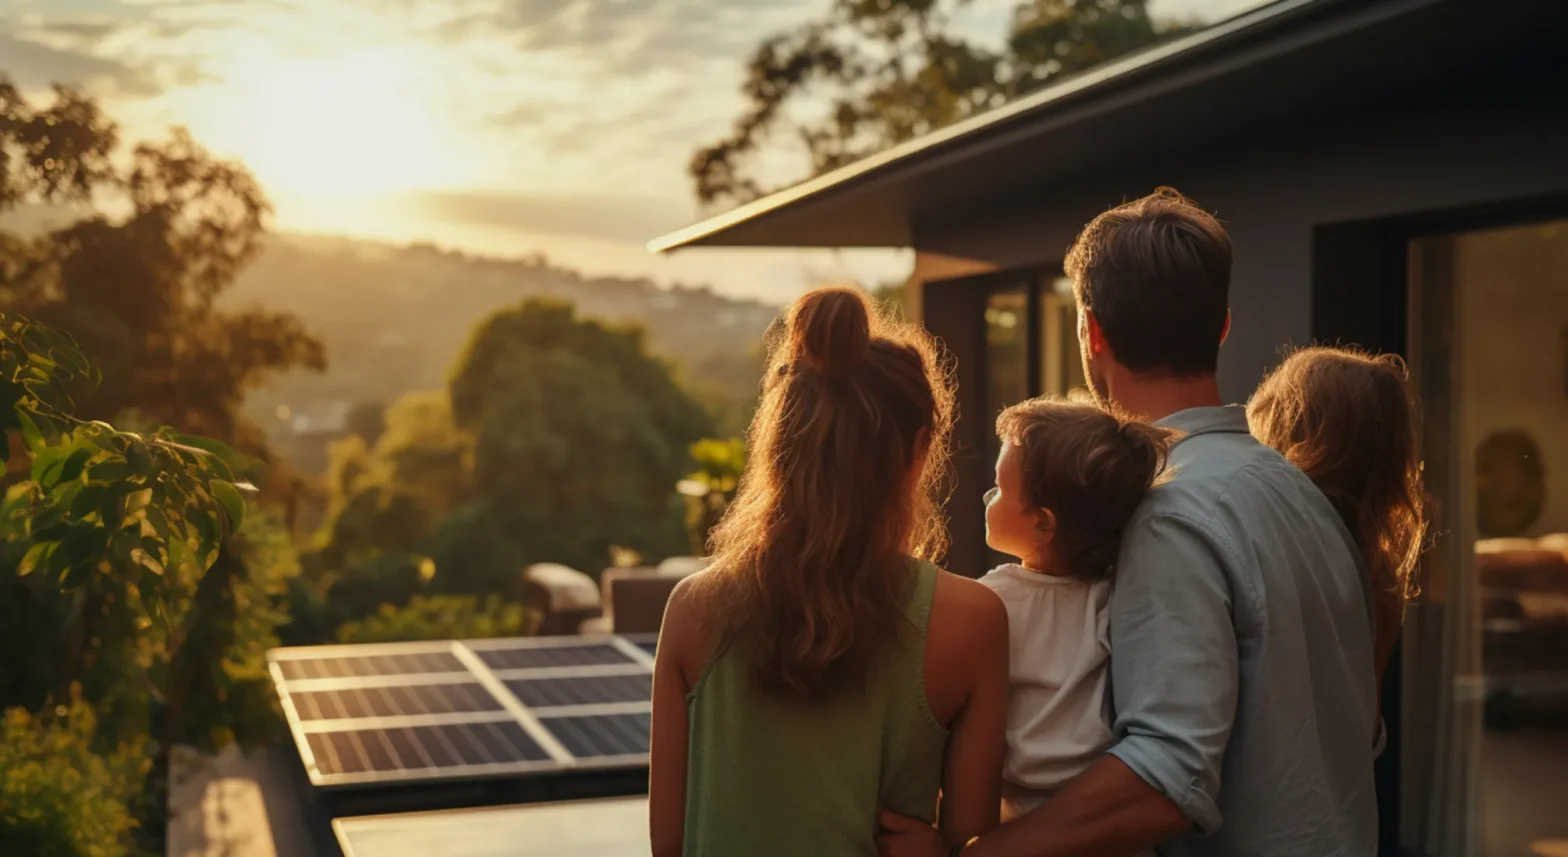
(1241, 615)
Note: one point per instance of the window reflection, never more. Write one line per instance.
(1486, 715)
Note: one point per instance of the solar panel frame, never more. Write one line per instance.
(304, 699)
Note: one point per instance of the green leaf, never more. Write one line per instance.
(88, 500)
(233, 503)
(207, 529)
(109, 470)
(139, 459)
(222, 459)
(76, 575)
(47, 464)
(31, 435)
(37, 556)
(179, 554)
(160, 524)
(72, 469)
(157, 550)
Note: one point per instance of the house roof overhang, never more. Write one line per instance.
(1286, 61)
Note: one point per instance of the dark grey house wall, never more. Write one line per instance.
(1273, 189)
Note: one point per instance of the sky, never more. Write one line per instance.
(506, 127)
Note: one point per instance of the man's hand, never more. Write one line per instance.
(898, 836)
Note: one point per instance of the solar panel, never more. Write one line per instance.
(616, 827)
(393, 701)
(423, 748)
(374, 665)
(466, 708)
(554, 656)
(601, 735)
(582, 690)
(648, 643)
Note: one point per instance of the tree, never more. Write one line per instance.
(107, 541)
(579, 437)
(711, 487)
(387, 498)
(874, 73)
(139, 288)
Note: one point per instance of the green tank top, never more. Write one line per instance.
(768, 776)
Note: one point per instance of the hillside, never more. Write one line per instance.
(394, 318)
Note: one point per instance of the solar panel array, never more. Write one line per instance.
(390, 712)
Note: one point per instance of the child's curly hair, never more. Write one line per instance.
(1090, 468)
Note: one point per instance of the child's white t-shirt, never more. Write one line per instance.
(1059, 648)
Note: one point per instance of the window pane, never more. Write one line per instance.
(1006, 348)
(1061, 367)
(1007, 356)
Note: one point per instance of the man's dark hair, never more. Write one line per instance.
(1155, 272)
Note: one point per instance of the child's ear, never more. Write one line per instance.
(1045, 522)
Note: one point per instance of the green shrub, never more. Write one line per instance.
(59, 798)
(441, 617)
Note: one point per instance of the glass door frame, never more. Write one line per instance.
(1365, 291)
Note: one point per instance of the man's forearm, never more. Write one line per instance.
(1107, 811)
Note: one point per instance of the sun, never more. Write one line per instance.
(347, 126)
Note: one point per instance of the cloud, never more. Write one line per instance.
(626, 36)
(609, 218)
(86, 33)
(34, 65)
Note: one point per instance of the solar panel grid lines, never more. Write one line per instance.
(412, 711)
(570, 672)
(529, 724)
(602, 736)
(639, 649)
(582, 690)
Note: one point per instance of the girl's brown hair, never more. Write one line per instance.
(849, 443)
(1345, 418)
(1091, 468)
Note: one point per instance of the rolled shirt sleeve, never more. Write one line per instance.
(1174, 662)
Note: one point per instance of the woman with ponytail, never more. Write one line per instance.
(823, 667)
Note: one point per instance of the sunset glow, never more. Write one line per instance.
(349, 125)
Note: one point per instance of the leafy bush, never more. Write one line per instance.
(442, 617)
(59, 798)
(710, 489)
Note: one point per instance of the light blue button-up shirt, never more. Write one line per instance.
(1241, 653)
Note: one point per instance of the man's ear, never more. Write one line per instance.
(1096, 335)
(1225, 331)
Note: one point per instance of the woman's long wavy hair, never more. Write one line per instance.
(849, 444)
(1346, 419)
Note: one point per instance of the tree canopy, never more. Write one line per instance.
(158, 236)
(870, 74)
(136, 593)
(579, 435)
(558, 439)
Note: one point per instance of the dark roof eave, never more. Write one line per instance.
(907, 156)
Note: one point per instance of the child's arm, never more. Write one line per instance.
(679, 638)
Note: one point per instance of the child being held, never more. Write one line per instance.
(1346, 419)
(1068, 480)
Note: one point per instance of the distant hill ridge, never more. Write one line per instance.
(394, 318)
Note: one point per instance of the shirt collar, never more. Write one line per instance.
(1227, 419)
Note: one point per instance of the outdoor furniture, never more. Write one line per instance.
(634, 598)
(564, 597)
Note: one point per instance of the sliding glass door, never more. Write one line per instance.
(1485, 707)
